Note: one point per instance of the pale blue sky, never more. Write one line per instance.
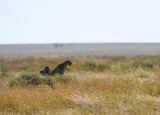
(65, 21)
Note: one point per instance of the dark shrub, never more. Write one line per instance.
(95, 66)
(102, 67)
(147, 65)
(30, 78)
(144, 64)
(26, 79)
(90, 65)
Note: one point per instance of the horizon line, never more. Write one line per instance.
(80, 43)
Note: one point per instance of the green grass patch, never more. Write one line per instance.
(145, 64)
(26, 79)
(93, 66)
(63, 78)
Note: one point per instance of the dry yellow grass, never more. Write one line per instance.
(130, 86)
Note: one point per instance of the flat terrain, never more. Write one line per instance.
(87, 49)
(114, 85)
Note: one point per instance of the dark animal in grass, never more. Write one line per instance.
(60, 69)
(45, 71)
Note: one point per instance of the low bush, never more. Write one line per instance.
(26, 79)
(147, 65)
(90, 65)
(95, 66)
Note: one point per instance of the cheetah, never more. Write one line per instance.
(45, 71)
(60, 69)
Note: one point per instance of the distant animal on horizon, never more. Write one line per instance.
(60, 69)
(45, 71)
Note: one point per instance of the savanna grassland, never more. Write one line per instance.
(92, 85)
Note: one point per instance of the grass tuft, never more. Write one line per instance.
(98, 67)
(4, 69)
(63, 78)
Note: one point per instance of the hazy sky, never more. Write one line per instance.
(64, 21)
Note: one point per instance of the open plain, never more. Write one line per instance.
(80, 49)
(92, 85)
